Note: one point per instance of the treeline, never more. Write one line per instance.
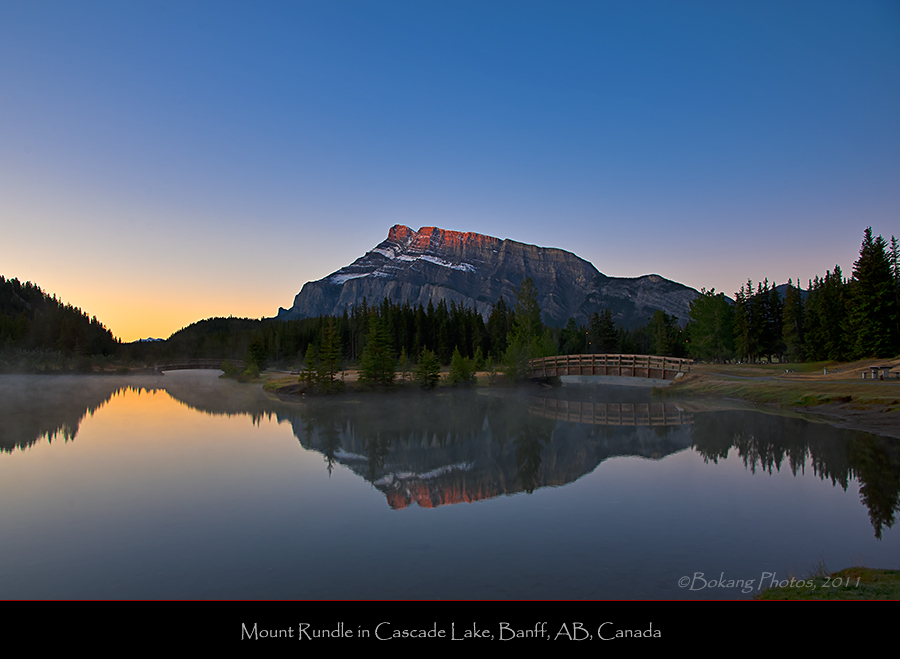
(30, 319)
(839, 319)
(401, 328)
(513, 332)
(662, 335)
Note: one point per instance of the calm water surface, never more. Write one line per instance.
(186, 486)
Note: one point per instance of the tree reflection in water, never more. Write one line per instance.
(448, 447)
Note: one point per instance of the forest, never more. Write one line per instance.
(834, 319)
(34, 321)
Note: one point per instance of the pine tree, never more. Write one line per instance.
(774, 310)
(833, 315)
(742, 340)
(572, 339)
(310, 373)
(376, 366)
(607, 338)
(528, 312)
(498, 327)
(792, 324)
(814, 339)
(595, 328)
(711, 331)
(665, 335)
(895, 270)
(329, 358)
(873, 301)
(403, 365)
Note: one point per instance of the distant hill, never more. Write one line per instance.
(782, 289)
(31, 319)
(475, 270)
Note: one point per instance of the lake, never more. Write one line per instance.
(186, 486)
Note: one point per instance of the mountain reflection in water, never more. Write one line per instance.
(435, 449)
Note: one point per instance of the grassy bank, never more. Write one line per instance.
(283, 383)
(789, 393)
(793, 385)
(853, 583)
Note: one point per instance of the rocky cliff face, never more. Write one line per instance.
(476, 270)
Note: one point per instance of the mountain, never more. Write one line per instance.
(782, 289)
(476, 270)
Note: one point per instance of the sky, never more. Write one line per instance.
(164, 162)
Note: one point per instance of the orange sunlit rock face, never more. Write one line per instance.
(399, 233)
(431, 497)
(439, 239)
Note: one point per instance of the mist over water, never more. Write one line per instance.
(188, 486)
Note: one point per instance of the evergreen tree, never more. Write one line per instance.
(442, 332)
(895, 270)
(376, 366)
(498, 327)
(310, 373)
(403, 365)
(792, 324)
(664, 333)
(592, 338)
(607, 337)
(528, 323)
(757, 306)
(516, 359)
(572, 339)
(711, 329)
(826, 317)
(873, 301)
(257, 352)
(329, 358)
(776, 315)
(529, 338)
(742, 342)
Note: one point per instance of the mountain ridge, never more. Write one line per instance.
(474, 269)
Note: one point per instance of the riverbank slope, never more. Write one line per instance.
(834, 390)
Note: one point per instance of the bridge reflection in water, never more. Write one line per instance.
(196, 364)
(609, 414)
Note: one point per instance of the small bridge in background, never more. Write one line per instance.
(632, 366)
(186, 364)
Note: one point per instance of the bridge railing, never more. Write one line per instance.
(647, 366)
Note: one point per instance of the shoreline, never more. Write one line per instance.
(840, 397)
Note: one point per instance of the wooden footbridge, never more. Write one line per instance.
(185, 364)
(632, 366)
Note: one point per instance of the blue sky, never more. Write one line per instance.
(162, 162)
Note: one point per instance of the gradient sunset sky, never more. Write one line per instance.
(164, 162)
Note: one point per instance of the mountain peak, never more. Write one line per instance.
(473, 269)
(435, 238)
